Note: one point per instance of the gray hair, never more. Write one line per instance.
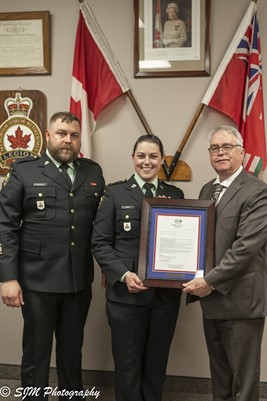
(229, 130)
(172, 5)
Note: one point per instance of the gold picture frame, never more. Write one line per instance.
(154, 56)
(25, 43)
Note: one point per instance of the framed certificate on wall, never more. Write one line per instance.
(25, 43)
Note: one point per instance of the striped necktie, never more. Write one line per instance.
(216, 192)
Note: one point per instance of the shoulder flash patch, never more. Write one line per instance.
(102, 199)
(6, 179)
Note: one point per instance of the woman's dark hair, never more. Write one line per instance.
(151, 139)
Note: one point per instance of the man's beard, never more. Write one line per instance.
(63, 155)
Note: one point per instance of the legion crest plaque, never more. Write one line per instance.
(20, 136)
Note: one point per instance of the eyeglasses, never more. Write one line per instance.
(227, 148)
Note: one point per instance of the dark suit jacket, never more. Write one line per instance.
(116, 248)
(240, 273)
(45, 230)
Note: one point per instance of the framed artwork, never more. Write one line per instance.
(171, 39)
(176, 241)
(25, 43)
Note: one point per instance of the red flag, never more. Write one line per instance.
(96, 78)
(236, 90)
(158, 27)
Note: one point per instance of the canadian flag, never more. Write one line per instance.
(97, 78)
(236, 89)
(158, 27)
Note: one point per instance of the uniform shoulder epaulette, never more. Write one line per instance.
(165, 183)
(117, 182)
(27, 159)
(86, 160)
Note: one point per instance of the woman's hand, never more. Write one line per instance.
(134, 284)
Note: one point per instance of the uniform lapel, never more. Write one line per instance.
(162, 191)
(134, 190)
(80, 175)
(50, 170)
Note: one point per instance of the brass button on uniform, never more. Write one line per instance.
(73, 227)
(40, 194)
(72, 210)
(71, 194)
(72, 243)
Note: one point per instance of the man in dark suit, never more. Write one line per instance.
(234, 293)
(47, 208)
(142, 320)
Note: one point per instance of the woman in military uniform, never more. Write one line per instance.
(142, 319)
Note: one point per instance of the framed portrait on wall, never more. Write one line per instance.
(171, 38)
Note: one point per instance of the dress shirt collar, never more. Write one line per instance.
(58, 164)
(228, 181)
(141, 183)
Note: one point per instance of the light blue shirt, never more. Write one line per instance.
(141, 183)
(70, 170)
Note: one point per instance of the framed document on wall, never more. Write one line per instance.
(171, 39)
(25, 43)
(176, 241)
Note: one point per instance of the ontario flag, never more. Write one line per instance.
(97, 78)
(236, 89)
(158, 26)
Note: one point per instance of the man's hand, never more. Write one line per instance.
(12, 293)
(134, 284)
(198, 287)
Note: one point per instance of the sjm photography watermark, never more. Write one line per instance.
(24, 392)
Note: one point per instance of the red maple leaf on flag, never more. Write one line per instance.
(18, 141)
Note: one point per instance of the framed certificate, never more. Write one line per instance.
(25, 43)
(176, 241)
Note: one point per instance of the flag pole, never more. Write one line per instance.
(185, 139)
(133, 101)
(139, 112)
(188, 133)
(145, 125)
